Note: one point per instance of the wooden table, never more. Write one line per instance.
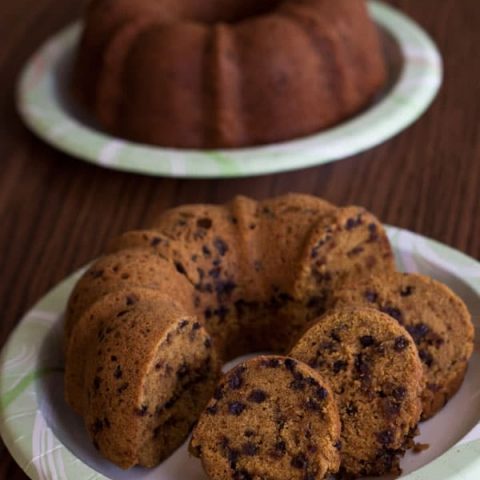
(56, 213)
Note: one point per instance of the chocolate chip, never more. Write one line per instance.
(418, 332)
(351, 409)
(207, 343)
(271, 363)
(353, 223)
(232, 456)
(426, 357)
(206, 251)
(339, 365)
(399, 393)
(386, 437)
(372, 228)
(249, 433)
(361, 365)
(367, 341)
(393, 312)
(212, 410)
(337, 445)
(257, 396)
(299, 382)
(249, 449)
(196, 326)
(113, 358)
(321, 393)
(290, 364)
(280, 448)
(335, 336)
(236, 381)
(299, 461)
(183, 324)
(205, 223)
(118, 372)
(312, 405)
(401, 343)
(242, 475)
(407, 291)
(236, 408)
(370, 296)
(221, 246)
(391, 408)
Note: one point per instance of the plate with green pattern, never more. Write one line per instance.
(49, 441)
(416, 76)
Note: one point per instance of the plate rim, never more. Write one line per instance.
(418, 84)
(18, 393)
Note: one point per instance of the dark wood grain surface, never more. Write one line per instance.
(56, 213)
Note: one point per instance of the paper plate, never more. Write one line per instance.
(49, 441)
(44, 105)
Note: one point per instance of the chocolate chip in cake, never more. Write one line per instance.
(299, 461)
(339, 365)
(386, 437)
(401, 343)
(426, 357)
(271, 363)
(249, 449)
(235, 381)
(221, 246)
(371, 296)
(407, 291)
(183, 324)
(394, 312)
(212, 410)
(236, 408)
(367, 341)
(257, 396)
(399, 393)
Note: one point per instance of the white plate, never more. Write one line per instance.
(45, 107)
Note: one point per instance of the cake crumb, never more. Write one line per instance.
(420, 447)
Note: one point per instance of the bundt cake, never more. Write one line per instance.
(225, 73)
(150, 321)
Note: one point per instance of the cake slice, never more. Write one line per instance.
(437, 319)
(150, 370)
(376, 376)
(270, 417)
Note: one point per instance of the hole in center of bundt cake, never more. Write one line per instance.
(232, 11)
